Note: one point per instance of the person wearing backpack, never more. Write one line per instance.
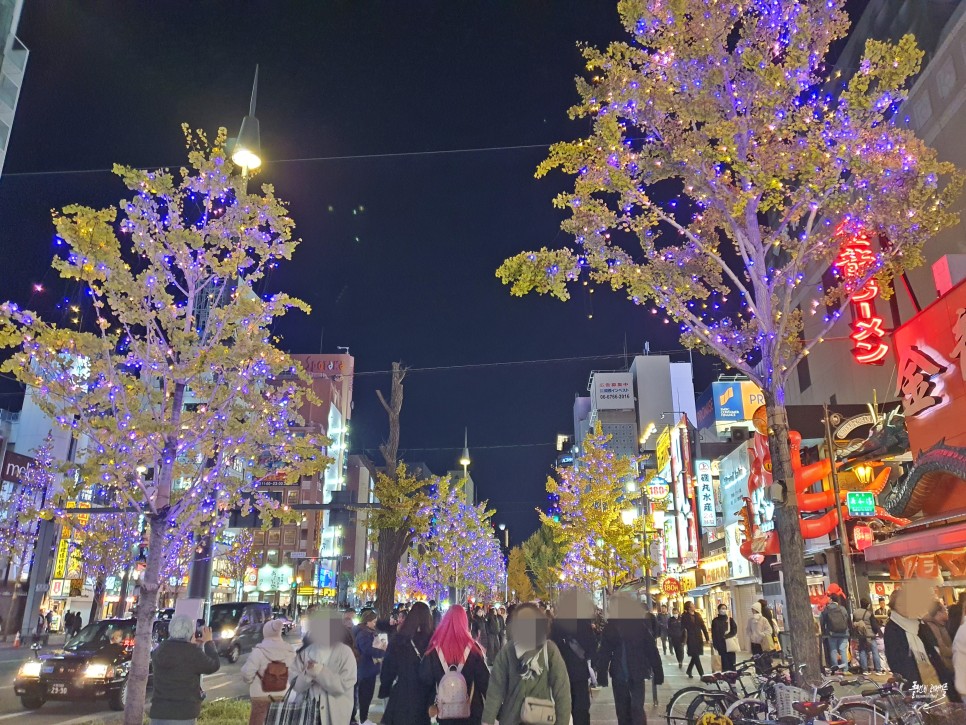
(409, 698)
(835, 626)
(267, 670)
(529, 681)
(455, 667)
(628, 654)
(866, 627)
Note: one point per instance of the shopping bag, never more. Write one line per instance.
(715, 661)
(296, 708)
(731, 644)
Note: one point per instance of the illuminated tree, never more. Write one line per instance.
(518, 581)
(179, 375)
(234, 555)
(405, 501)
(591, 528)
(19, 506)
(459, 550)
(544, 557)
(721, 180)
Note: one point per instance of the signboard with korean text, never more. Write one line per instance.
(613, 391)
(707, 514)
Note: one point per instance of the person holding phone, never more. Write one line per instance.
(325, 669)
(178, 664)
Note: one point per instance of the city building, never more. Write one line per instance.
(13, 64)
(308, 556)
(935, 110)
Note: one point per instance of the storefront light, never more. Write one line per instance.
(864, 473)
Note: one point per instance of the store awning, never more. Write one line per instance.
(919, 542)
(701, 591)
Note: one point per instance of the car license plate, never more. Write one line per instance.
(58, 689)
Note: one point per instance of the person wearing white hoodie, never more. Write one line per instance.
(760, 632)
(271, 649)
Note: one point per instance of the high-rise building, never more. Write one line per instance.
(13, 63)
(313, 548)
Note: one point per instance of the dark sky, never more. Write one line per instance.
(410, 275)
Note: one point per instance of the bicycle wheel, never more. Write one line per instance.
(677, 706)
(748, 709)
(714, 702)
(862, 714)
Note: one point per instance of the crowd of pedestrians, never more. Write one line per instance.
(527, 663)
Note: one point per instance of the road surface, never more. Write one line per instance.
(226, 682)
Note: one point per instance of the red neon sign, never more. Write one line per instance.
(856, 258)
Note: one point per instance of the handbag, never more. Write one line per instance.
(294, 709)
(731, 644)
(537, 711)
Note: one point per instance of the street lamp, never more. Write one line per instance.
(247, 152)
(506, 569)
(465, 456)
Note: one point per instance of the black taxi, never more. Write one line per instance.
(93, 665)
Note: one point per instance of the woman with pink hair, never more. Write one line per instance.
(452, 645)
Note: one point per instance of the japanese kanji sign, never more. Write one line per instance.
(708, 515)
(855, 262)
(930, 354)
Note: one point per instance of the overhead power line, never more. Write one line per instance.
(305, 159)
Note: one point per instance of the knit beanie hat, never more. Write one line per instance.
(272, 629)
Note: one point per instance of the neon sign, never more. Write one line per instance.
(856, 259)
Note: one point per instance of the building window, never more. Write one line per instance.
(293, 497)
(258, 538)
(274, 536)
(272, 557)
(289, 537)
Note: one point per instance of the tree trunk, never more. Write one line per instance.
(799, 622)
(387, 564)
(137, 680)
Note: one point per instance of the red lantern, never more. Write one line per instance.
(863, 537)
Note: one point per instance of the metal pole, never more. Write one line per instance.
(850, 580)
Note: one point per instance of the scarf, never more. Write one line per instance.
(927, 673)
(530, 663)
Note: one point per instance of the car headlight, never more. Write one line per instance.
(30, 669)
(227, 633)
(98, 670)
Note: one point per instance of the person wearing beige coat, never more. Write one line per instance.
(272, 648)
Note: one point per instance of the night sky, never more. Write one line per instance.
(399, 251)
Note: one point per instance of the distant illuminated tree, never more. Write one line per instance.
(591, 528)
(544, 556)
(19, 507)
(721, 180)
(459, 550)
(518, 581)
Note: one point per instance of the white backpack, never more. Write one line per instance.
(453, 698)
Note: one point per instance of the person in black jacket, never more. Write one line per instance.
(694, 628)
(492, 641)
(573, 633)
(452, 643)
(409, 696)
(675, 635)
(178, 664)
(910, 645)
(723, 628)
(629, 653)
